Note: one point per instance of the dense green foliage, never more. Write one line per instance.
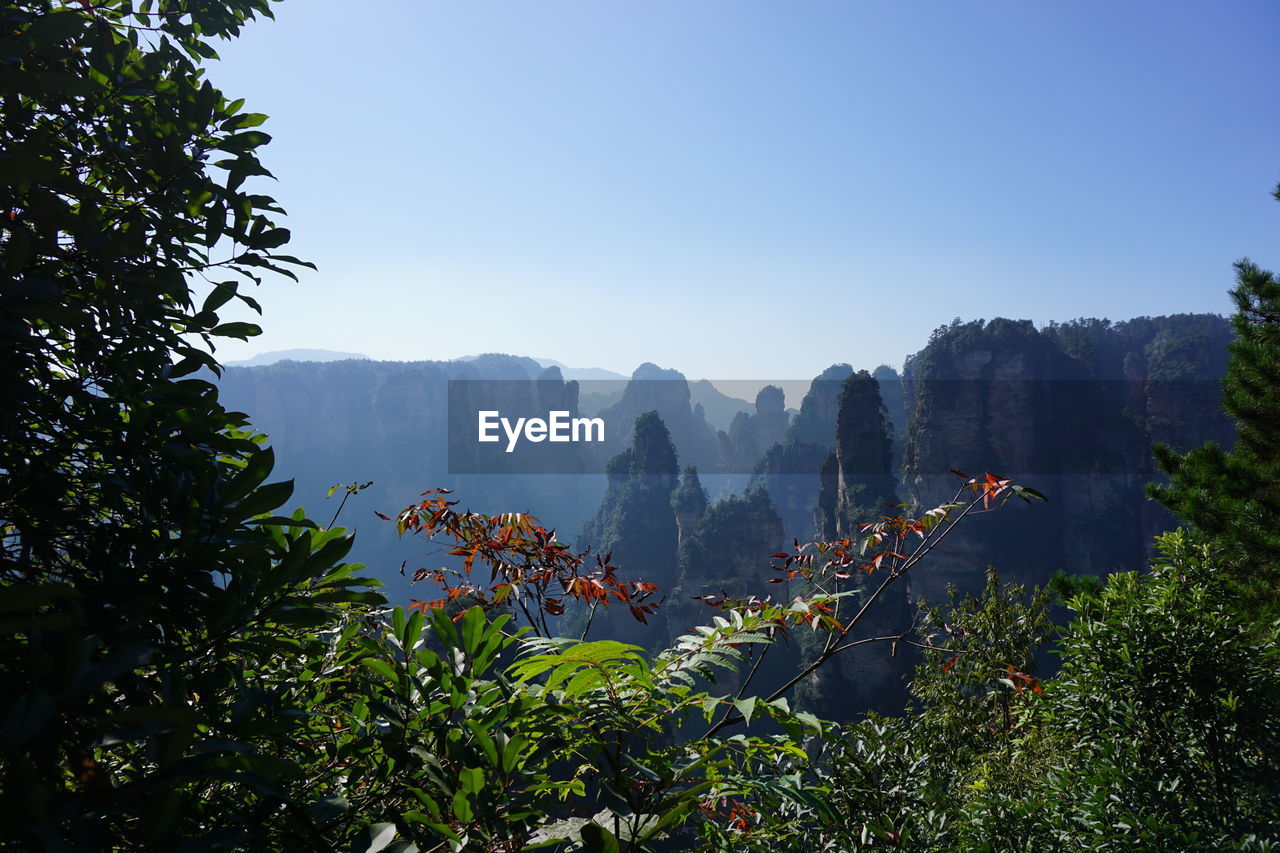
(722, 551)
(153, 612)
(1233, 496)
(1157, 733)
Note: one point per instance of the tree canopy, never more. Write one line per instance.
(1233, 496)
(152, 608)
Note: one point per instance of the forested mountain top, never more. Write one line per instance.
(1177, 346)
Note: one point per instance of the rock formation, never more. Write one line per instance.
(858, 482)
(653, 389)
(1071, 410)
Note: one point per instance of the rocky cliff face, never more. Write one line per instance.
(895, 406)
(689, 503)
(844, 417)
(726, 552)
(729, 548)
(789, 469)
(636, 523)
(717, 409)
(751, 434)
(1072, 410)
(663, 531)
(858, 485)
(790, 474)
(865, 485)
(815, 423)
(653, 389)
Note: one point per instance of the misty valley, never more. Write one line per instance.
(1071, 409)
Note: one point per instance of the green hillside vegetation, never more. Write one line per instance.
(187, 664)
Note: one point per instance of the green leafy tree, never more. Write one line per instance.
(1233, 495)
(1157, 734)
(621, 750)
(453, 744)
(902, 783)
(154, 617)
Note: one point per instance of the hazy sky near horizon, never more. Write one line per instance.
(750, 189)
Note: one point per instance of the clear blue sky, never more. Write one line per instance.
(754, 189)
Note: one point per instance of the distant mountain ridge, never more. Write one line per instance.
(606, 386)
(264, 359)
(591, 373)
(537, 365)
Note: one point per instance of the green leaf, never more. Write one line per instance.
(263, 499)
(382, 668)
(472, 629)
(809, 720)
(244, 120)
(53, 28)
(244, 142)
(330, 807)
(746, 707)
(283, 521)
(512, 751)
(472, 779)
(670, 817)
(486, 743)
(377, 837)
(241, 331)
(221, 294)
(462, 807)
(258, 468)
(271, 239)
(569, 661)
(1027, 493)
(403, 846)
(412, 631)
(597, 839)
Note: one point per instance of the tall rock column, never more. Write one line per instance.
(636, 522)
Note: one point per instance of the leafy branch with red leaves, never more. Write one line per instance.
(529, 569)
(888, 548)
(536, 574)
